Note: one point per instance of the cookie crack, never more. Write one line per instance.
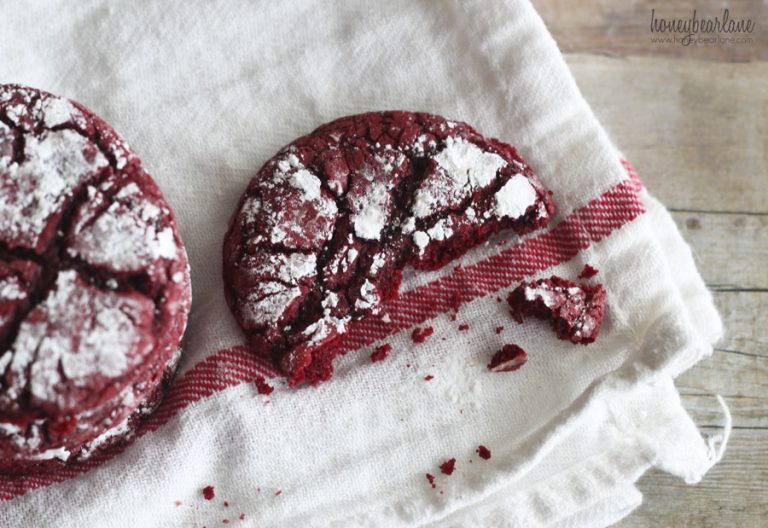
(53, 258)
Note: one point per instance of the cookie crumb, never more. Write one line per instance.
(483, 452)
(428, 377)
(448, 466)
(587, 272)
(463, 327)
(380, 353)
(575, 311)
(209, 493)
(431, 480)
(262, 386)
(419, 335)
(499, 329)
(509, 358)
(278, 493)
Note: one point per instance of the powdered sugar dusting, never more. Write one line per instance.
(289, 268)
(11, 290)
(116, 431)
(515, 197)
(545, 294)
(466, 163)
(250, 209)
(370, 209)
(462, 168)
(76, 333)
(320, 330)
(288, 225)
(377, 263)
(372, 215)
(57, 111)
(307, 182)
(59, 452)
(126, 236)
(57, 162)
(441, 230)
(268, 302)
(369, 297)
(421, 239)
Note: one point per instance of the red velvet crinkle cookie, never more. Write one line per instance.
(324, 230)
(94, 284)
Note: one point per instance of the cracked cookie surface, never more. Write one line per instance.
(324, 230)
(94, 283)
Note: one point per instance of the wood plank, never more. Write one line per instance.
(624, 28)
(697, 132)
(743, 386)
(748, 412)
(737, 370)
(733, 494)
(731, 250)
(744, 318)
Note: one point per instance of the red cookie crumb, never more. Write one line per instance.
(499, 329)
(428, 377)
(380, 353)
(419, 335)
(278, 493)
(209, 493)
(225, 521)
(431, 480)
(242, 517)
(483, 452)
(587, 272)
(177, 503)
(575, 310)
(226, 504)
(262, 386)
(448, 466)
(509, 358)
(463, 327)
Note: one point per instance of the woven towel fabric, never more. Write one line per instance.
(206, 92)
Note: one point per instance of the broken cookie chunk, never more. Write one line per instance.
(575, 310)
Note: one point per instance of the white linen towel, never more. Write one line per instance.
(206, 92)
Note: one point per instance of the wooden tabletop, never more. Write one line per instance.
(694, 122)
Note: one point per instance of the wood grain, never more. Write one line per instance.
(731, 248)
(733, 494)
(696, 132)
(694, 122)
